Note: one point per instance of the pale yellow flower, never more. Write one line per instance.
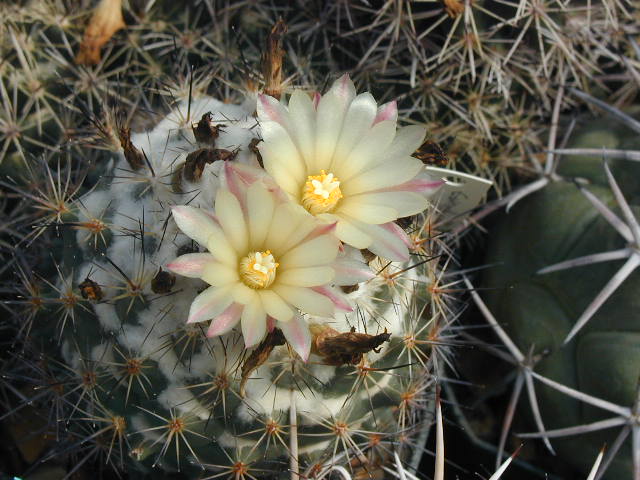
(267, 261)
(343, 159)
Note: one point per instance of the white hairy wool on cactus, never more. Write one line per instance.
(267, 261)
(342, 158)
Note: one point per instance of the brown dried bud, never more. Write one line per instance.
(337, 348)
(163, 282)
(90, 290)
(430, 153)
(260, 355)
(272, 60)
(349, 288)
(105, 21)
(197, 160)
(226, 155)
(253, 147)
(205, 132)
(134, 157)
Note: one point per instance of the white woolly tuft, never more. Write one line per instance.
(178, 397)
(107, 316)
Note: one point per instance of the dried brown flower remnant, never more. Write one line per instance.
(134, 157)
(253, 147)
(198, 159)
(105, 21)
(205, 132)
(453, 7)
(272, 60)
(90, 290)
(260, 355)
(343, 348)
(431, 153)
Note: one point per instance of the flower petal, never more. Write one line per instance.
(302, 129)
(194, 223)
(357, 122)
(335, 296)
(219, 274)
(402, 203)
(219, 246)
(289, 226)
(388, 111)
(351, 272)
(254, 322)
(231, 218)
(361, 208)
(225, 322)
(276, 164)
(298, 335)
(190, 265)
(260, 207)
(281, 155)
(270, 109)
(352, 235)
(321, 250)
(306, 300)
(386, 175)
(209, 303)
(406, 141)
(275, 306)
(305, 277)
(368, 152)
(388, 241)
(242, 294)
(420, 184)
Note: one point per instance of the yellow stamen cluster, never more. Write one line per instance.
(258, 269)
(321, 193)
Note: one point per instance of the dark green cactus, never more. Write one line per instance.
(540, 309)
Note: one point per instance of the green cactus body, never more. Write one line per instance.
(556, 224)
(171, 398)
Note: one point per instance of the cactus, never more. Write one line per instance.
(563, 299)
(345, 386)
(482, 77)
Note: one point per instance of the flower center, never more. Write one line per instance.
(321, 193)
(258, 269)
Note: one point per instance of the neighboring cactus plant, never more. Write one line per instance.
(347, 386)
(578, 314)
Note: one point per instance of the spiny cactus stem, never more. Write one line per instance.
(293, 437)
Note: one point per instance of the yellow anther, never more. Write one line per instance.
(321, 193)
(258, 269)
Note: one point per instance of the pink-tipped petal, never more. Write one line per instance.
(423, 186)
(194, 223)
(190, 265)
(235, 184)
(351, 272)
(225, 322)
(268, 108)
(389, 241)
(321, 229)
(388, 111)
(271, 323)
(209, 304)
(344, 87)
(316, 100)
(336, 297)
(298, 335)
